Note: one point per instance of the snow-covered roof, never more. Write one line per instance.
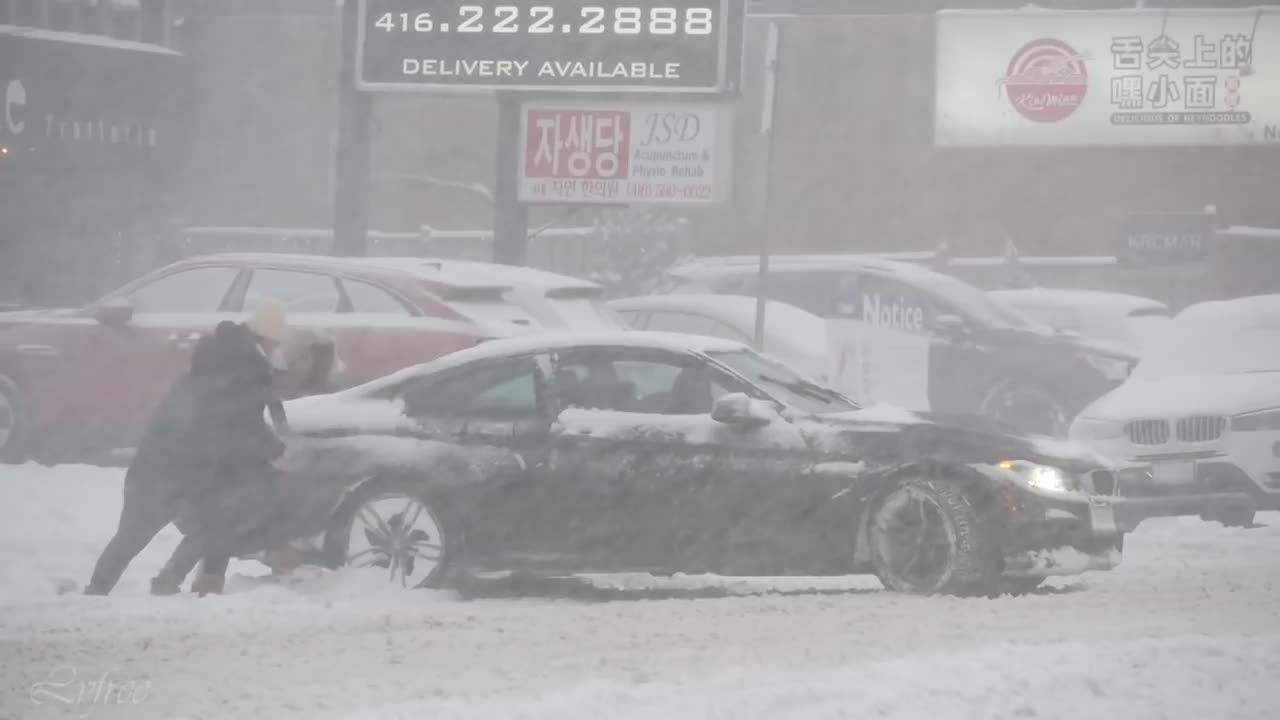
(1259, 310)
(738, 311)
(452, 273)
(558, 342)
(738, 265)
(101, 41)
(1251, 232)
(1087, 300)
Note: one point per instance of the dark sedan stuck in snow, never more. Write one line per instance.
(672, 453)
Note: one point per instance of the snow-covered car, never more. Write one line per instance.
(792, 335)
(904, 334)
(80, 381)
(1202, 413)
(665, 453)
(1130, 321)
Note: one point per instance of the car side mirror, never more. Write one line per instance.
(742, 410)
(952, 327)
(113, 312)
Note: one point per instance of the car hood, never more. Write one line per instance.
(951, 438)
(1069, 341)
(1189, 395)
(20, 317)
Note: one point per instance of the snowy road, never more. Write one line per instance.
(1188, 627)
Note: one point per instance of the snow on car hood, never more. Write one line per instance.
(1226, 394)
(343, 411)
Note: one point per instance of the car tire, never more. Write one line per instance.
(1236, 517)
(13, 445)
(932, 514)
(1020, 585)
(395, 525)
(1027, 407)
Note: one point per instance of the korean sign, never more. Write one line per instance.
(1127, 77)
(610, 153)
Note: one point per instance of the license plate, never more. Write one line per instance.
(1174, 473)
(1102, 517)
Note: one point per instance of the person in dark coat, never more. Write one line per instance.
(207, 431)
(239, 514)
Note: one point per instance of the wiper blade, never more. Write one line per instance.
(803, 387)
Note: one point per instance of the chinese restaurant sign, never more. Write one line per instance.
(1124, 77)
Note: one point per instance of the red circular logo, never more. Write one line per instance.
(1046, 80)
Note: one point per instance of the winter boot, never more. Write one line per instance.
(283, 560)
(206, 584)
(163, 584)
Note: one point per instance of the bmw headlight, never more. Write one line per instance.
(1261, 421)
(1114, 369)
(1041, 477)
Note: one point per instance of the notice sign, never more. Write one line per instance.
(623, 154)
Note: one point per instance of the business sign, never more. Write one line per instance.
(1159, 239)
(80, 99)
(667, 46)
(1119, 77)
(615, 153)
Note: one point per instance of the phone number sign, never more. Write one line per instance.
(667, 46)
(674, 154)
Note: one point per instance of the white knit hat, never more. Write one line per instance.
(270, 320)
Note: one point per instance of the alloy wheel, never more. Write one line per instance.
(914, 540)
(400, 534)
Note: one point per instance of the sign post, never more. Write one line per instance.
(353, 151)
(593, 152)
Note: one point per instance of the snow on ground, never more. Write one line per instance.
(1188, 627)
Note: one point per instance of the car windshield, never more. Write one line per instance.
(783, 383)
(1202, 348)
(976, 303)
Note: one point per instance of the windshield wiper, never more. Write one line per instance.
(803, 387)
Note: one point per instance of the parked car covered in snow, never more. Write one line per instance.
(904, 334)
(1202, 413)
(665, 453)
(792, 335)
(1129, 321)
(77, 381)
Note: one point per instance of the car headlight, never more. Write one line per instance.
(1087, 428)
(1041, 477)
(1113, 369)
(1261, 421)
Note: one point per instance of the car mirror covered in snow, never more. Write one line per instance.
(113, 312)
(741, 409)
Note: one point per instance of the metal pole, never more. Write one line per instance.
(768, 113)
(353, 152)
(510, 216)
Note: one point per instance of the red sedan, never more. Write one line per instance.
(81, 381)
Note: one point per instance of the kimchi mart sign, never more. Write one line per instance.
(1121, 77)
(608, 153)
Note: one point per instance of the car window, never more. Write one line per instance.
(691, 324)
(626, 382)
(816, 291)
(198, 290)
(507, 389)
(301, 292)
(367, 299)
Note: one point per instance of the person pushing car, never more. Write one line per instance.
(208, 439)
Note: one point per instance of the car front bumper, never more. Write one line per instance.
(1067, 536)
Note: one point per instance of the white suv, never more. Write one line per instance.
(1202, 413)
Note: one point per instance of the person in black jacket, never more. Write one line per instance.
(209, 432)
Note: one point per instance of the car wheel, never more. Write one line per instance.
(390, 524)
(1028, 408)
(1021, 585)
(12, 444)
(926, 537)
(1237, 517)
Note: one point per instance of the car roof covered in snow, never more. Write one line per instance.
(559, 342)
(1088, 300)
(738, 311)
(1256, 311)
(441, 272)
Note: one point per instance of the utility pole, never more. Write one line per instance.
(510, 216)
(769, 109)
(353, 152)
